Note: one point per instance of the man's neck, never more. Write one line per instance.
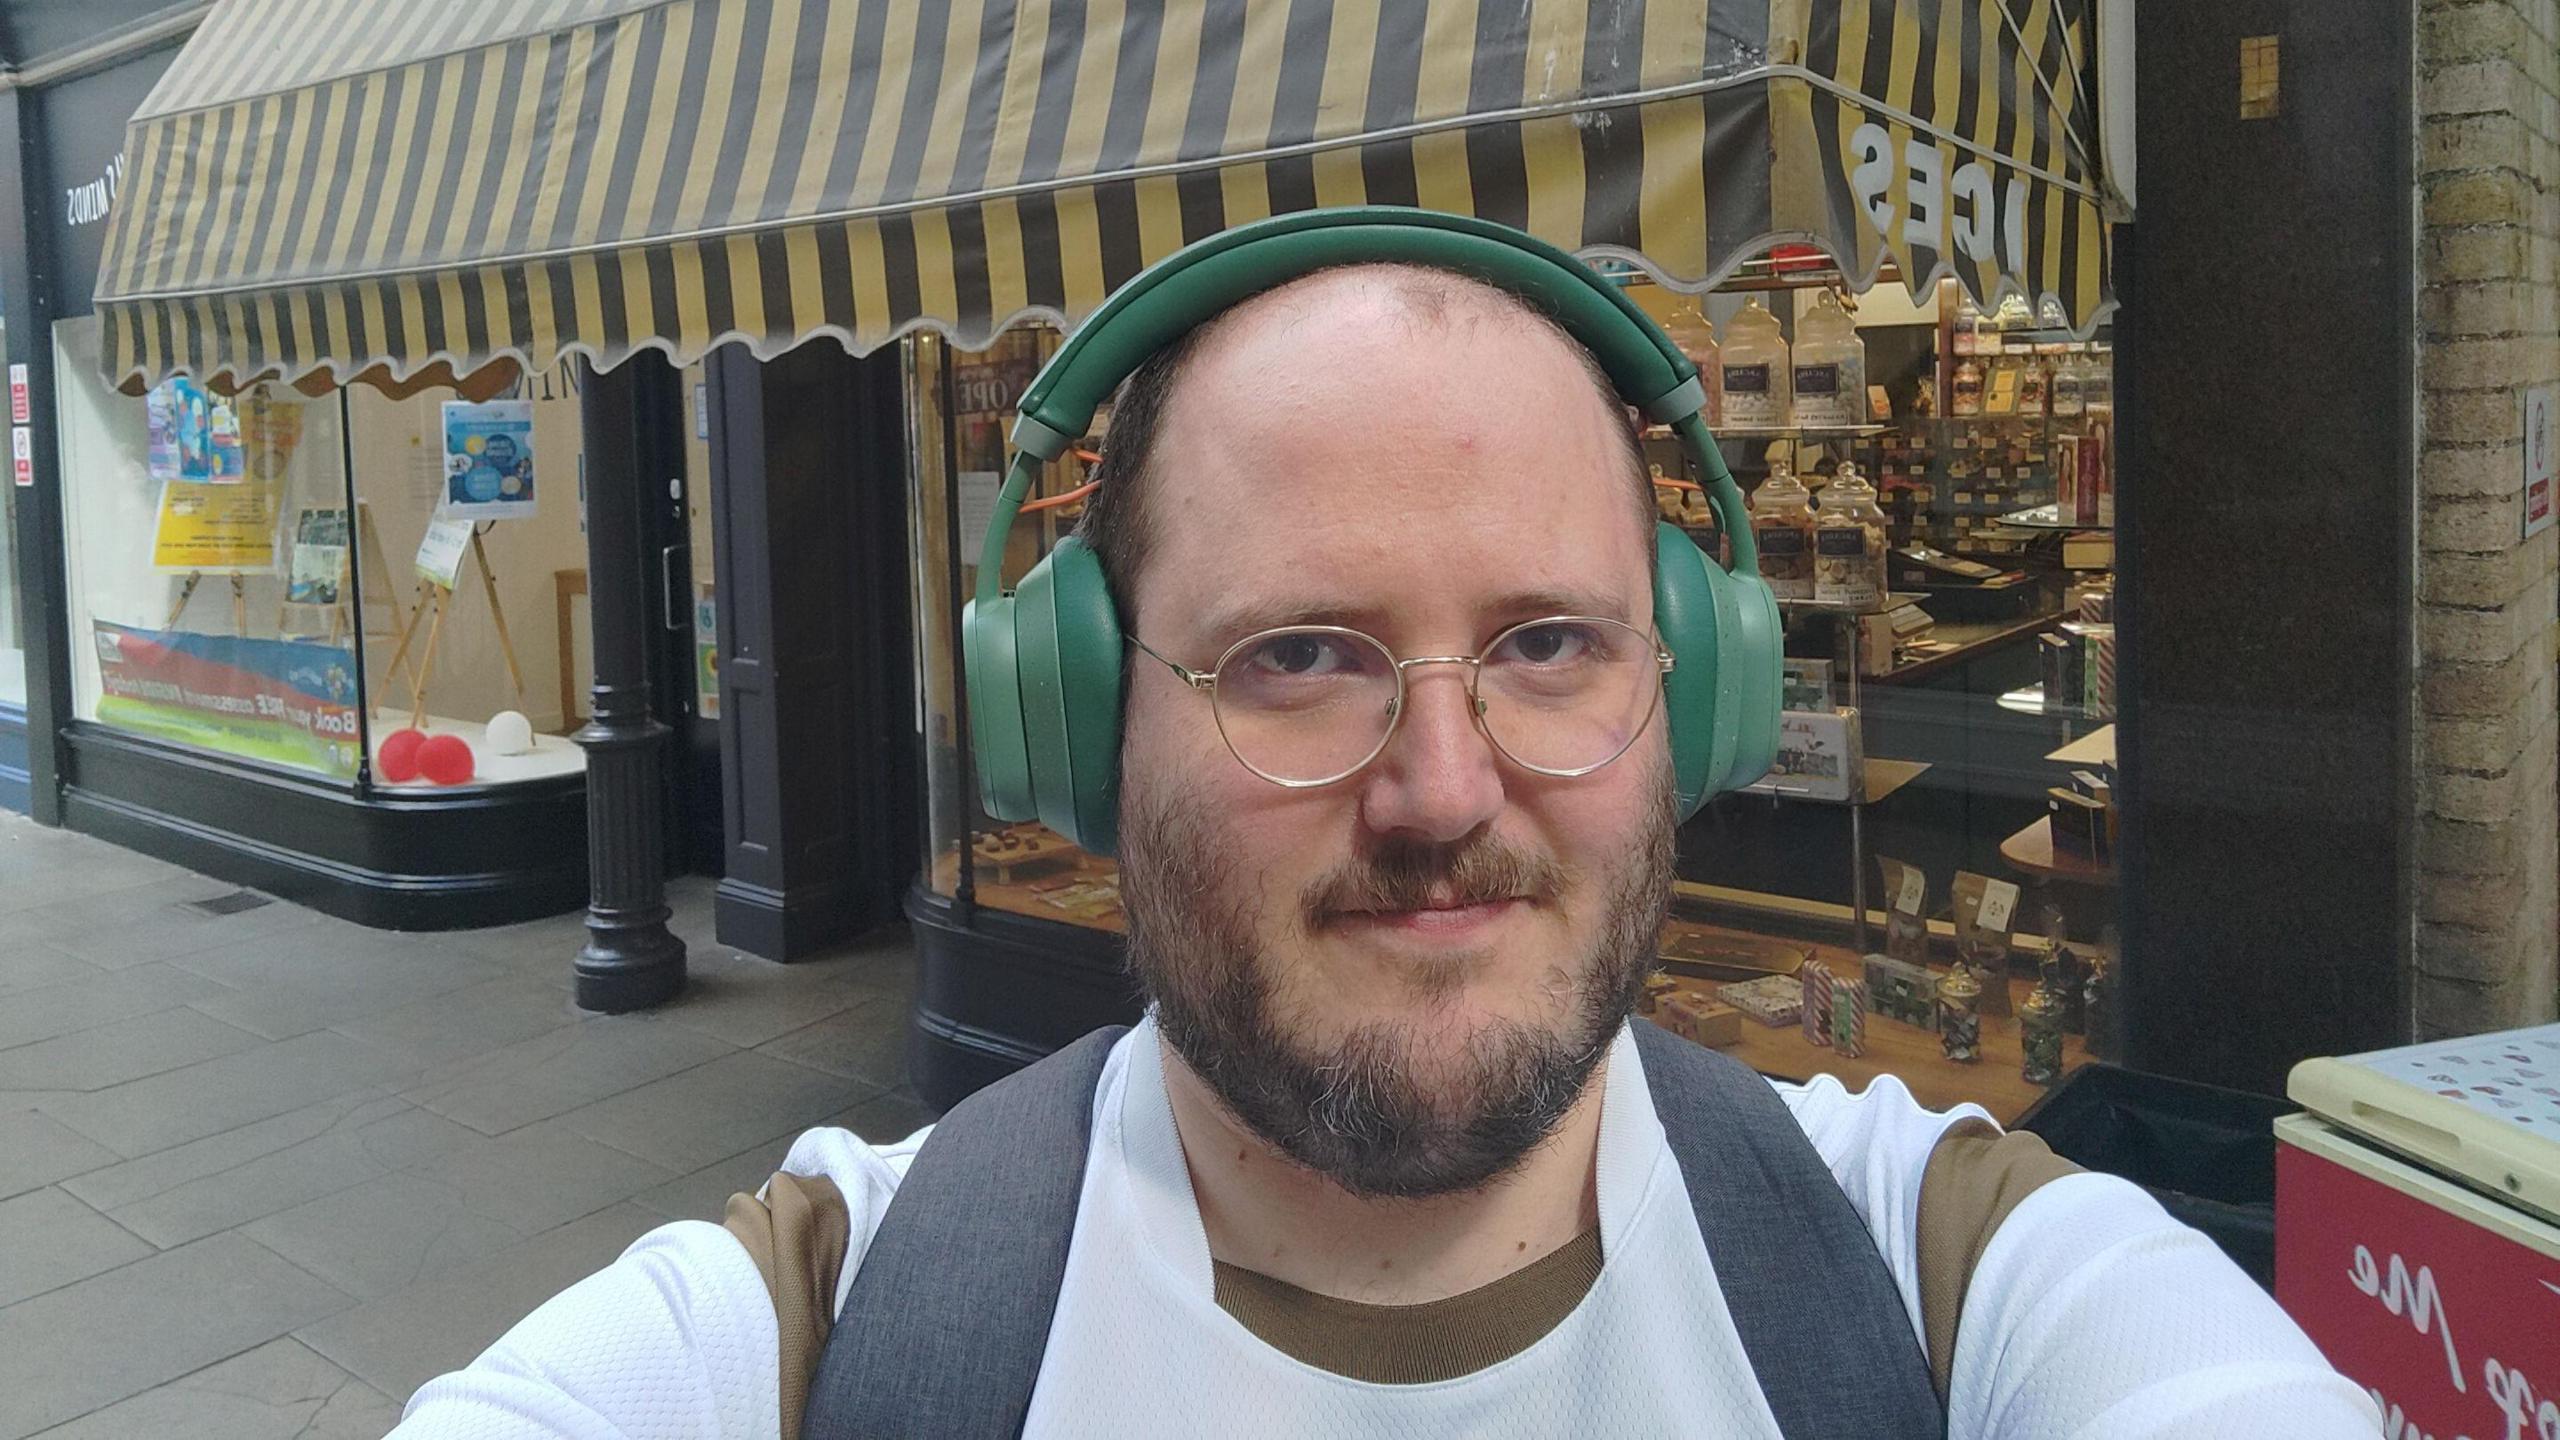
(1266, 1213)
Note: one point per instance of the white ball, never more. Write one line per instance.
(510, 733)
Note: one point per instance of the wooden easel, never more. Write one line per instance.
(434, 600)
(239, 601)
(373, 576)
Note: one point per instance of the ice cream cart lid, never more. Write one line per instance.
(2483, 1110)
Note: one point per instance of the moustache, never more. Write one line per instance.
(1411, 876)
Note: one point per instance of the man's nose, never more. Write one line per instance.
(1439, 777)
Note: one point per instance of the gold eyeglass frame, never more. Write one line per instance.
(1206, 682)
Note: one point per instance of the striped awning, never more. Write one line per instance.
(396, 190)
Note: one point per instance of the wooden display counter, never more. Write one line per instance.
(1081, 891)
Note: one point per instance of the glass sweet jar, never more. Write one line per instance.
(1690, 329)
(1849, 543)
(1782, 524)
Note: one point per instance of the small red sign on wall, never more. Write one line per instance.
(21, 405)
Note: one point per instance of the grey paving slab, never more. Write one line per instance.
(686, 1121)
(36, 1150)
(472, 1021)
(102, 999)
(32, 964)
(114, 1186)
(400, 1342)
(324, 948)
(384, 1235)
(352, 990)
(73, 1350)
(169, 926)
(867, 1042)
(747, 1001)
(103, 870)
(121, 1050)
(887, 1119)
(48, 1240)
(561, 1071)
(271, 1183)
(704, 1194)
(541, 1176)
(283, 1390)
(141, 1116)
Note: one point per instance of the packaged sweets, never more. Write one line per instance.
(1899, 990)
(1773, 1000)
(1849, 1017)
(1984, 908)
(1690, 329)
(1960, 1015)
(1815, 984)
(2040, 1037)
(1906, 905)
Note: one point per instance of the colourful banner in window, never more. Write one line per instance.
(286, 702)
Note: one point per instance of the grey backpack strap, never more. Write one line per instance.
(1816, 1305)
(943, 1331)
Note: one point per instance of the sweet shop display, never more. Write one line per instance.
(1849, 543)
(1849, 1006)
(1959, 1001)
(1758, 386)
(1830, 367)
(2040, 1037)
(1782, 521)
(1690, 329)
(1900, 990)
(1773, 1000)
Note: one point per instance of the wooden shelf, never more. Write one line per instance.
(2031, 850)
(1909, 1054)
(2098, 747)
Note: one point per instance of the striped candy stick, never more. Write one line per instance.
(1849, 1004)
(1818, 983)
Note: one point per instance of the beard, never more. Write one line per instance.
(1362, 1108)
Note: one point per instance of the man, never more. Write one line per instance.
(1385, 1159)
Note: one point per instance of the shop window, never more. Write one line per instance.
(470, 543)
(189, 522)
(1944, 793)
(236, 562)
(961, 407)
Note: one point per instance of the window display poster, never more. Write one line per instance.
(488, 458)
(319, 558)
(978, 491)
(286, 702)
(225, 529)
(706, 654)
(194, 435)
(440, 551)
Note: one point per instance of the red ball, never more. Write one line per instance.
(398, 757)
(445, 759)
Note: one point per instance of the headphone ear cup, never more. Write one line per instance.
(1754, 652)
(1091, 665)
(1687, 613)
(997, 746)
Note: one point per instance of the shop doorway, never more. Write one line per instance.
(817, 801)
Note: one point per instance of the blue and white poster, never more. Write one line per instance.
(488, 459)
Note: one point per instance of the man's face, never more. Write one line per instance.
(1402, 979)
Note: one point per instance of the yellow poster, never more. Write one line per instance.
(233, 528)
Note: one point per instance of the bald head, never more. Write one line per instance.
(1293, 347)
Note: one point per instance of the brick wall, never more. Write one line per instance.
(2488, 944)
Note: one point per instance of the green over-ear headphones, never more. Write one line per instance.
(1045, 660)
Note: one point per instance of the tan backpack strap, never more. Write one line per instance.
(1976, 1176)
(796, 1235)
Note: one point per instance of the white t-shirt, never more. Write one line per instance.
(2090, 1314)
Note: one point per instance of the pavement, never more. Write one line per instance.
(263, 1172)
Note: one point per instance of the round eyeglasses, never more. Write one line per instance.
(1310, 705)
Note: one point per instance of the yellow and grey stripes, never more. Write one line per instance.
(324, 188)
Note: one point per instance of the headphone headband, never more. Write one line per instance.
(1185, 289)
